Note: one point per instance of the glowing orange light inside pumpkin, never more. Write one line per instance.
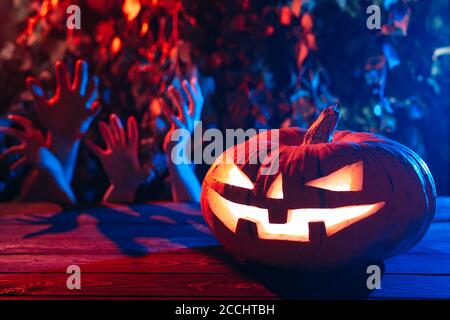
(131, 9)
(116, 45)
(276, 189)
(297, 226)
(232, 175)
(348, 178)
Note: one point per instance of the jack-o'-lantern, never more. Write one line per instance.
(338, 198)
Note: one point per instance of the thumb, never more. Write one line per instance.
(36, 90)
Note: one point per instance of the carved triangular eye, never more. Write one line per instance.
(232, 175)
(348, 178)
(276, 189)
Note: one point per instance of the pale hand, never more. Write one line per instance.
(120, 158)
(33, 147)
(189, 112)
(69, 113)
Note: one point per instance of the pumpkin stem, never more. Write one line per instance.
(322, 130)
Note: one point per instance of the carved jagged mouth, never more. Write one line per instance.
(298, 220)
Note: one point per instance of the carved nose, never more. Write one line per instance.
(278, 214)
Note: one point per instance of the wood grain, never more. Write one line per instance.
(164, 250)
(129, 285)
(178, 261)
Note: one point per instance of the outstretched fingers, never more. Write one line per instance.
(178, 101)
(107, 135)
(81, 77)
(117, 128)
(13, 150)
(174, 121)
(18, 163)
(132, 132)
(19, 135)
(199, 99)
(196, 86)
(190, 94)
(92, 91)
(25, 123)
(62, 76)
(38, 93)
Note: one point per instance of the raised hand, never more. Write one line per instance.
(184, 183)
(188, 112)
(34, 145)
(69, 113)
(47, 182)
(120, 158)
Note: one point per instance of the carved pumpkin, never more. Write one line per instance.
(339, 198)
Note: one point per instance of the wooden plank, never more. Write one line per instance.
(443, 202)
(133, 298)
(443, 209)
(179, 261)
(130, 285)
(81, 238)
(104, 241)
(393, 287)
(149, 213)
(30, 233)
(413, 287)
(10, 210)
(183, 261)
(419, 262)
(429, 256)
(129, 248)
(338, 287)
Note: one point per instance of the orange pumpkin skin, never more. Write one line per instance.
(393, 175)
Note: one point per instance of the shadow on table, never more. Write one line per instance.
(343, 283)
(349, 283)
(146, 221)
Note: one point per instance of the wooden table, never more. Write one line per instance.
(164, 250)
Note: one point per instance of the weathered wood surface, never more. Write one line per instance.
(164, 250)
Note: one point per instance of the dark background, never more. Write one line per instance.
(261, 64)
